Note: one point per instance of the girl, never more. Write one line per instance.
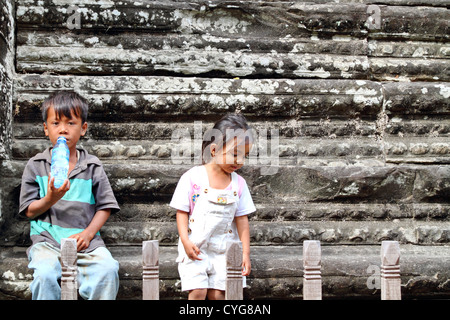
(212, 203)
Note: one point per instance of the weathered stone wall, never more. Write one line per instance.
(358, 92)
(6, 82)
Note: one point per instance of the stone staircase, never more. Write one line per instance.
(349, 102)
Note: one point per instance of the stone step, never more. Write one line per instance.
(200, 62)
(429, 3)
(216, 17)
(242, 18)
(160, 131)
(294, 233)
(415, 186)
(181, 149)
(286, 223)
(277, 271)
(288, 233)
(137, 181)
(194, 43)
(409, 49)
(120, 61)
(405, 23)
(401, 69)
(294, 28)
(155, 99)
(295, 151)
(172, 44)
(299, 211)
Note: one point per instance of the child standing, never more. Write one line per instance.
(213, 203)
(78, 209)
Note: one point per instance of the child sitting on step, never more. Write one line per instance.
(77, 209)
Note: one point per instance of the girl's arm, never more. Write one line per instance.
(243, 229)
(191, 249)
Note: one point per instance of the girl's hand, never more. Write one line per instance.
(246, 265)
(192, 250)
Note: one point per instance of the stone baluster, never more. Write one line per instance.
(150, 274)
(390, 271)
(312, 280)
(234, 282)
(68, 259)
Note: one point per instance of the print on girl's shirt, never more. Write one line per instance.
(192, 185)
(222, 200)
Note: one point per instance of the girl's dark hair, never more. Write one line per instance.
(64, 103)
(230, 126)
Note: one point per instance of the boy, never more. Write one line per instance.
(78, 209)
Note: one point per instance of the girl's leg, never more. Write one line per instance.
(98, 275)
(215, 294)
(197, 294)
(47, 271)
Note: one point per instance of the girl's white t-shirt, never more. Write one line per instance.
(192, 183)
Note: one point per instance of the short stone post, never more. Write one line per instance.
(150, 274)
(234, 282)
(68, 259)
(312, 280)
(390, 271)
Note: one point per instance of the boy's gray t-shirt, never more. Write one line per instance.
(90, 191)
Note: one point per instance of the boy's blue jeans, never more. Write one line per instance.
(98, 277)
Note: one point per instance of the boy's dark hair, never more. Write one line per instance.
(64, 103)
(230, 126)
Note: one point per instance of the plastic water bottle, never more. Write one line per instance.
(60, 161)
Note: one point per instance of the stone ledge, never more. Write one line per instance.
(364, 151)
(141, 98)
(281, 224)
(246, 18)
(181, 150)
(263, 233)
(140, 180)
(199, 62)
(147, 98)
(276, 272)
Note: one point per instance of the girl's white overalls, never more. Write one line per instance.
(211, 225)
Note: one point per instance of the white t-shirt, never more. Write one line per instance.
(193, 181)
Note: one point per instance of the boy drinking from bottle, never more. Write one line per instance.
(77, 209)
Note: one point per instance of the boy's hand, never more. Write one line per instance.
(83, 240)
(85, 237)
(38, 207)
(55, 194)
(192, 250)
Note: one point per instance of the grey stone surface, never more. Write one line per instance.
(7, 25)
(356, 91)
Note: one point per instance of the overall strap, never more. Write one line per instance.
(234, 183)
(203, 173)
